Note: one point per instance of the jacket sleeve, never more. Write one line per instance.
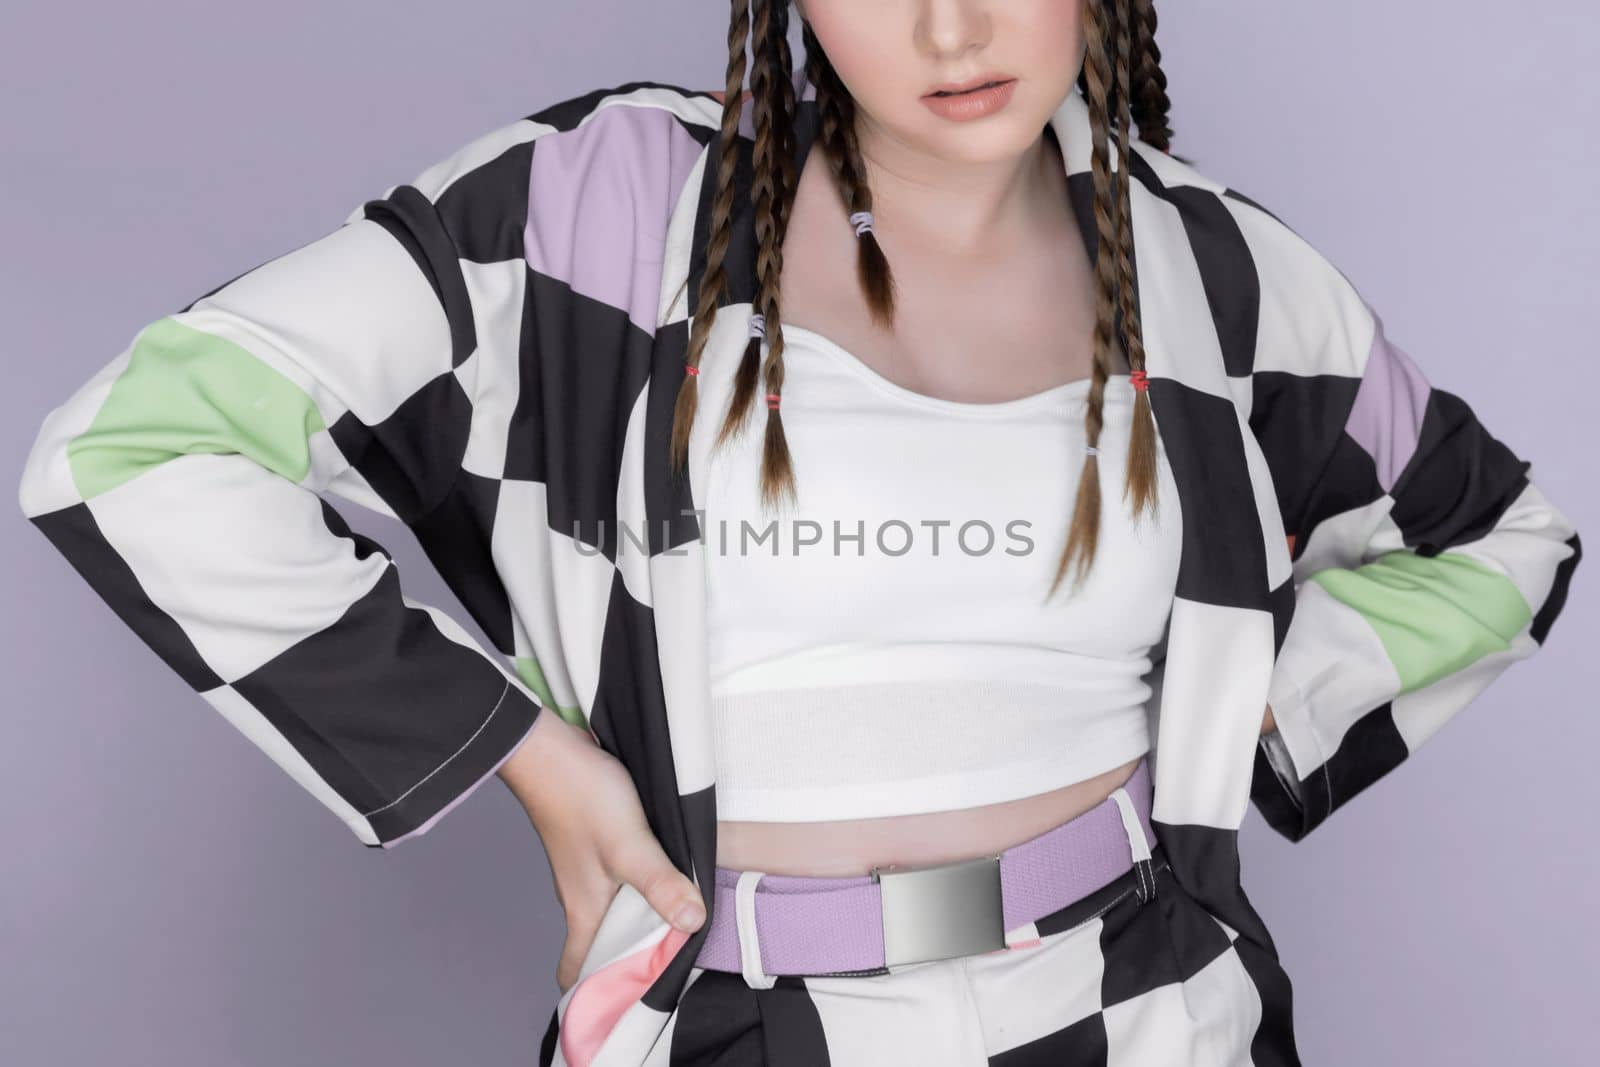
(185, 482)
(1426, 560)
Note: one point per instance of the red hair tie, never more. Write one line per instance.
(691, 368)
(772, 401)
(1140, 380)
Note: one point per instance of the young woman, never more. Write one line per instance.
(681, 390)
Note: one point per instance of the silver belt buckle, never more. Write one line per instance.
(935, 913)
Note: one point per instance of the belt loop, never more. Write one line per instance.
(1138, 845)
(744, 910)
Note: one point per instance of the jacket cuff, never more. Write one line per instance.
(443, 789)
(1290, 761)
(1292, 744)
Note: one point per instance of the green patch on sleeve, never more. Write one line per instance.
(185, 391)
(1434, 614)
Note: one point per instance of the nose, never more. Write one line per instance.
(950, 29)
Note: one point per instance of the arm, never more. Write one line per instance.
(184, 482)
(1426, 560)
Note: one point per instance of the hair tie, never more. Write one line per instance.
(758, 326)
(691, 368)
(862, 221)
(1140, 381)
(772, 401)
(1090, 450)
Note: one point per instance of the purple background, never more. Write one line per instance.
(170, 897)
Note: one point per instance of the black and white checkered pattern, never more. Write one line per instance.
(491, 353)
(1107, 979)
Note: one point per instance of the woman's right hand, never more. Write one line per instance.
(587, 811)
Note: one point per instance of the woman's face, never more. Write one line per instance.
(890, 54)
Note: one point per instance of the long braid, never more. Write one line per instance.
(777, 464)
(1150, 101)
(1141, 473)
(1083, 533)
(714, 284)
(769, 189)
(747, 375)
(836, 129)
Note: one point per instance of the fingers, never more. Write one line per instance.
(567, 966)
(566, 972)
(642, 864)
(581, 927)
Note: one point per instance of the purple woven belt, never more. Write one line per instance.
(811, 925)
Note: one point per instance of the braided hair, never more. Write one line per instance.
(1123, 85)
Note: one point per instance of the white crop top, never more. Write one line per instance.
(885, 646)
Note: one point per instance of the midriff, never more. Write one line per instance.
(844, 847)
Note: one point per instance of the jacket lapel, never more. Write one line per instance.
(1219, 646)
(1210, 690)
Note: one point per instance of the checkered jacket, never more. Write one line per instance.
(491, 353)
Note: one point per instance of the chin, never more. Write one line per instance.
(991, 140)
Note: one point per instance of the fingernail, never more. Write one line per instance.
(689, 916)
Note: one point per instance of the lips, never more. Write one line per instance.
(986, 81)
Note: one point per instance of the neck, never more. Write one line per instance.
(958, 207)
